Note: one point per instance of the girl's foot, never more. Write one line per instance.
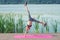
(45, 24)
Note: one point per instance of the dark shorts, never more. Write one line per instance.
(33, 20)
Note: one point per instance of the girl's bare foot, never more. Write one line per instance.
(45, 24)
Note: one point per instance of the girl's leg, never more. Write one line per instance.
(34, 20)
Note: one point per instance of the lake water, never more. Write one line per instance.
(47, 12)
(39, 8)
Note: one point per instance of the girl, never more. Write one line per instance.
(29, 24)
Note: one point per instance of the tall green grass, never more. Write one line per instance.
(55, 26)
(2, 29)
(37, 25)
(20, 23)
(47, 27)
(7, 24)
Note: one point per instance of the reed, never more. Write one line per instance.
(37, 25)
(47, 27)
(7, 24)
(55, 25)
(1, 24)
(20, 23)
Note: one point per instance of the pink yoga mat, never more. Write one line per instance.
(34, 36)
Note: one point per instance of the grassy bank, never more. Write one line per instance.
(10, 24)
